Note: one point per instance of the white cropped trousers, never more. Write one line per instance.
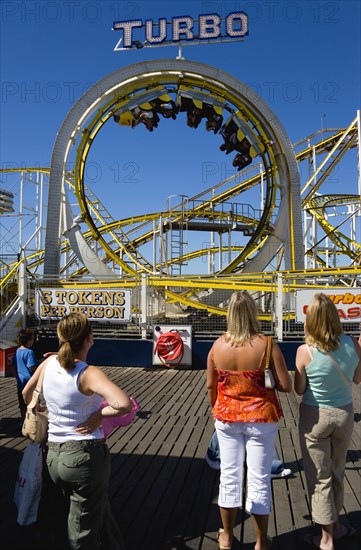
(258, 440)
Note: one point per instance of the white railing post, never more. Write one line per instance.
(279, 308)
(144, 306)
(22, 289)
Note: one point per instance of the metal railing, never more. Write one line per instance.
(198, 301)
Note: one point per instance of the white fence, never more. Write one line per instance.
(199, 302)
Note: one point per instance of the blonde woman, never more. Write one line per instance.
(78, 457)
(246, 416)
(326, 366)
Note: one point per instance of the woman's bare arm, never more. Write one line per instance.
(302, 360)
(212, 380)
(357, 374)
(93, 380)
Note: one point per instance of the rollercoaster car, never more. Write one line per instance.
(238, 136)
(133, 117)
(147, 116)
(144, 108)
(167, 108)
(199, 105)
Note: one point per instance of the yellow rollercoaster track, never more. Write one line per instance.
(317, 206)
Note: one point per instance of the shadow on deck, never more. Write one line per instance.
(163, 494)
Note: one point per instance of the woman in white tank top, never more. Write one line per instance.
(78, 457)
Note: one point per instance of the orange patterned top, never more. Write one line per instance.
(242, 397)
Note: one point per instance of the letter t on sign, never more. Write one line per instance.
(127, 27)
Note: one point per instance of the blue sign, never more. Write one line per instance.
(207, 28)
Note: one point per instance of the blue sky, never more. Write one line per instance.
(302, 57)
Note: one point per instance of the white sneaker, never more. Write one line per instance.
(282, 473)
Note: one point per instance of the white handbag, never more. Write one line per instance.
(269, 380)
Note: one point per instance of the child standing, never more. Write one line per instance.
(24, 364)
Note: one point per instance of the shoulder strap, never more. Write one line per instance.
(339, 370)
(212, 357)
(268, 353)
(309, 351)
(80, 372)
(37, 391)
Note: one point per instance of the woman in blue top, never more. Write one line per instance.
(24, 364)
(326, 366)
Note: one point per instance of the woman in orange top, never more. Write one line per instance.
(246, 415)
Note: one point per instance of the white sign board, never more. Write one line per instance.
(347, 302)
(102, 305)
(186, 335)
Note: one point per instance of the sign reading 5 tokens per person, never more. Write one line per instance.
(99, 305)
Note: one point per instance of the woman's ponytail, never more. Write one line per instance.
(66, 356)
(72, 330)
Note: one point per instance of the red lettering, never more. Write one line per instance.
(354, 312)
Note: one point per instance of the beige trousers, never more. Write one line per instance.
(325, 434)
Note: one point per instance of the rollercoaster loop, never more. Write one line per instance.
(140, 95)
(129, 111)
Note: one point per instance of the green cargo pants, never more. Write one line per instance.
(81, 469)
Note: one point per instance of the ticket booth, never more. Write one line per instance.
(7, 352)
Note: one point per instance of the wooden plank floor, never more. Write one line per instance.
(163, 494)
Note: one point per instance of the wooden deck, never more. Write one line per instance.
(163, 493)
